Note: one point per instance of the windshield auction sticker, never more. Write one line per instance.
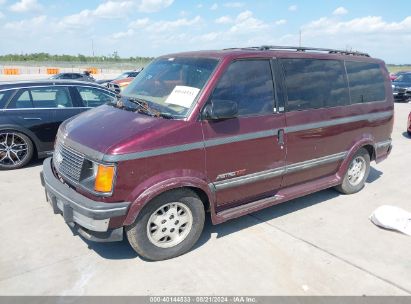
(182, 96)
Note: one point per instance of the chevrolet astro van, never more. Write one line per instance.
(227, 132)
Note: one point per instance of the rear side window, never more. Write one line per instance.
(313, 83)
(56, 97)
(366, 82)
(249, 83)
(47, 97)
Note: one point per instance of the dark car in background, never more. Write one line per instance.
(74, 76)
(401, 87)
(31, 112)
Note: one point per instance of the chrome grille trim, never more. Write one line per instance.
(68, 162)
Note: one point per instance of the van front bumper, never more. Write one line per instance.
(90, 218)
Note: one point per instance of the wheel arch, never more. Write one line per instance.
(194, 184)
(366, 143)
(36, 142)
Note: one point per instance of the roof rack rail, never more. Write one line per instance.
(303, 49)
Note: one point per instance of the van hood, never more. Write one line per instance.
(109, 130)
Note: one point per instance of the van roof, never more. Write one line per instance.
(272, 51)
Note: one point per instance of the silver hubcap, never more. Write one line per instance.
(13, 149)
(169, 225)
(356, 171)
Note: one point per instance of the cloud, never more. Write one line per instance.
(224, 20)
(364, 25)
(121, 35)
(23, 6)
(113, 9)
(139, 23)
(280, 22)
(371, 34)
(158, 27)
(292, 8)
(2, 2)
(246, 22)
(168, 26)
(1, 15)
(150, 6)
(234, 4)
(214, 7)
(200, 5)
(340, 11)
(27, 25)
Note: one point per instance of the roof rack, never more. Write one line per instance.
(303, 49)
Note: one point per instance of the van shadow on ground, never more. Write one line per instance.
(122, 250)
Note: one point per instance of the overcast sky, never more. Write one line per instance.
(155, 27)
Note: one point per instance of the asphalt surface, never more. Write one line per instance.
(321, 244)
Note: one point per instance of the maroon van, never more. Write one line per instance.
(227, 132)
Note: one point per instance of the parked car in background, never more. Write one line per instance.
(409, 124)
(227, 131)
(31, 112)
(74, 76)
(120, 83)
(401, 87)
(128, 74)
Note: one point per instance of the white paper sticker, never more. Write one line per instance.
(182, 96)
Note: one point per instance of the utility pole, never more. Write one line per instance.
(92, 47)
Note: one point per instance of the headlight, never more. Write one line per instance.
(98, 177)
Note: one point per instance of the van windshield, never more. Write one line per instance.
(171, 85)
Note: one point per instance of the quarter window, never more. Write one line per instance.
(250, 84)
(313, 83)
(366, 81)
(4, 97)
(94, 97)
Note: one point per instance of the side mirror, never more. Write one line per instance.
(219, 109)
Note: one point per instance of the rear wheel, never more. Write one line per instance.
(357, 173)
(168, 226)
(16, 150)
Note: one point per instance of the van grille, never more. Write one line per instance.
(68, 162)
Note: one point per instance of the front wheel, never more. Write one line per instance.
(168, 226)
(16, 150)
(357, 173)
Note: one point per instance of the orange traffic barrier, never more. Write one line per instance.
(53, 71)
(92, 70)
(11, 71)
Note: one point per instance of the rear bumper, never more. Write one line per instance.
(90, 218)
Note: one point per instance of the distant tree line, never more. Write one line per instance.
(41, 57)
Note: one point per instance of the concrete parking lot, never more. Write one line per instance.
(321, 244)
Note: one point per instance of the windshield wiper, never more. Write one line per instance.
(144, 107)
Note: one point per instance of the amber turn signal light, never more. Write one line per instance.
(104, 178)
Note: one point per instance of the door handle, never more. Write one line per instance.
(280, 137)
(31, 118)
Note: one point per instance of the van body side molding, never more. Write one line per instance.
(339, 121)
(263, 175)
(221, 141)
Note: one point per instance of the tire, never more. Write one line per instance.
(152, 235)
(16, 149)
(355, 177)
